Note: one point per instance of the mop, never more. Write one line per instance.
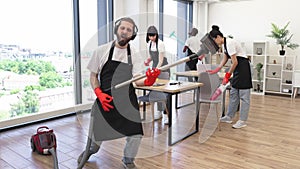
(208, 45)
(219, 91)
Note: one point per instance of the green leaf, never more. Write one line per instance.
(282, 37)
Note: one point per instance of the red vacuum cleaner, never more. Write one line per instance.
(44, 142)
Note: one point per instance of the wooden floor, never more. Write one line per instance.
(271, 140)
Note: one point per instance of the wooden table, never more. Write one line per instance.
(174, 88)
(194, 73)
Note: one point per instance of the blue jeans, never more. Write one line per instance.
(131, 148)
(237, 97)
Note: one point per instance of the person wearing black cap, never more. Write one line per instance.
(241, 82)
(156, 54)
(192, 46)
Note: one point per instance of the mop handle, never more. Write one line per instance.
(191, 57)
(208, 46)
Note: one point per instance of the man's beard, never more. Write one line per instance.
(122, 41)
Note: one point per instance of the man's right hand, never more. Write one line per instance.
(214, 71)
(104, 99)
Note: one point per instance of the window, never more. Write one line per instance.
(175, 25)
(36, 57)
(88, 42)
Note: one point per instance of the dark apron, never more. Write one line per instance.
(124, 119)
(241, 78)
(155, 58)
(192, 64)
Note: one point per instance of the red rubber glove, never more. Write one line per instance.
(201, 57)
(104, 99)
(184, 48)
(226, 78)
(151, 74)
(214, 71)
(147, 61)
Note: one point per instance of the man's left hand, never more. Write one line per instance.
(151, 74)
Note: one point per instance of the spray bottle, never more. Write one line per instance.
(219, 91)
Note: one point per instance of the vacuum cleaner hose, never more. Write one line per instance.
(53, 153)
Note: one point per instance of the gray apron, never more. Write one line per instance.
(241, 78)
(155, 58)
(124, 119)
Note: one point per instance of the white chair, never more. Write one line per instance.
(211, 83)
(155, 97)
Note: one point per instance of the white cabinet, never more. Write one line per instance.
(296, 82)
(279, 74)
(258, 57)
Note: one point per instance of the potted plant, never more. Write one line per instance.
(282, 37)
(258, 68)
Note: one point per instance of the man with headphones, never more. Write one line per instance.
(115, 113)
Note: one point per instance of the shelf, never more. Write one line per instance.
(273, 78)
(262, 69)
(256, 55)
(257, 93)
(277, 92)
(255, 80)
(275, 72)
(286, 84)
(272, 64)
(274, 92)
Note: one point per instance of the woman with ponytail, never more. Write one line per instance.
(241, 81)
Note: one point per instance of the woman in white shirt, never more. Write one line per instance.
(156, 54)
(241, 81)
(192, 46)
(156, 49)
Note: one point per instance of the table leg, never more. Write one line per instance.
(223, 103)
(197, 109)
(184, 105)
(169, 104)
(144, 106)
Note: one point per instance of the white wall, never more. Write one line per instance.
(135, 9)
(251, 20)
(145, 13)
(200, 14)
